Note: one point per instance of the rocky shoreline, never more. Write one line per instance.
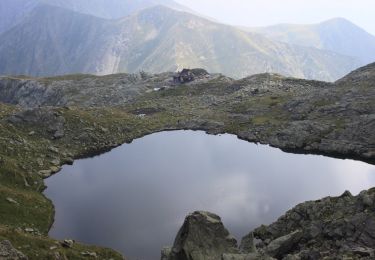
(46, 123)
(331, 228)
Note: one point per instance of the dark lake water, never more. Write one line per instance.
(135, 198)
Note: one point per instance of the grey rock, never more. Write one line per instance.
(247, 244)
(53, 149)
(282, 245)
(89, 254)
(166, 253)
(202, 236)
(8, 252)
(67, 243)
(338, 226)
(29, 230)
(13, 201)
(55, 162)
(45, 173)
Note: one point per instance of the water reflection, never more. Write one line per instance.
(135, 197)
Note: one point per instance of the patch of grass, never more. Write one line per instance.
(30, 209)
(42, 247)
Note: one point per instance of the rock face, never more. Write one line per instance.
(8, 252)
(110, 46)
(50, 119)
(202, 236)
(336, 227)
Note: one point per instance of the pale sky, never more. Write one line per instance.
(268, 12)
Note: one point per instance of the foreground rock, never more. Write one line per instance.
(335, 227)
(8, 252)
(202, 236)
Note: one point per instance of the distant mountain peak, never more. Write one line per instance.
(337, 35)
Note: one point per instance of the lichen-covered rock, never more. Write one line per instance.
(202, 236)
(8, 252)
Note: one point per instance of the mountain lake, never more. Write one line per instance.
(135, 198)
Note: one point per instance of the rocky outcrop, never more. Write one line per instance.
(202, 236)
(336, 227)
(8, 252)
(333, 226)
(52, 121)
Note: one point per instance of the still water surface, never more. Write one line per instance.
(134, 198)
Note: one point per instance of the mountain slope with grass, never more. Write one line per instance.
(338, 35)
(53, 41)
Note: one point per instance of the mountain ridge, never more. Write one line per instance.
(14, 11)
(155, 39)
(337, 34)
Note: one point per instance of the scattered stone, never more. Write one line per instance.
(103, 129)
(32, 133)
(68, 160)
(39, 161)
(55, 162)
(10, 200)
(29, 230)
(53, 149)
(59, 256)
(53, 247)
(55, 168)
(89, 254)
(8, 252)
(68, 243)
(45, 173)
(25, 182)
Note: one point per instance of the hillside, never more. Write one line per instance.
(48, 122)
(156, 39)
(338, 35)
(112, 9)
(14, 11)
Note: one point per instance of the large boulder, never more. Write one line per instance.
(202, 236)
(282, 245)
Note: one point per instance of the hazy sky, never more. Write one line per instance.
(266, 12)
